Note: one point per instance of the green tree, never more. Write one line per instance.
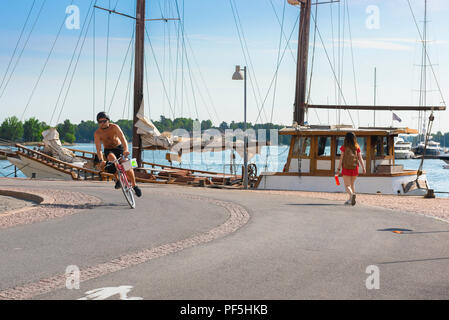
(223, 126)
(11, 129)
(206, 124)
(166, 124)
(67, 131)
(438, 137)
(446, 140)
(183, 123)
(127, 128)
(32, 130)
(85, 131)
(44, 127)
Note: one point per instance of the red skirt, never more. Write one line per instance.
(350, 172)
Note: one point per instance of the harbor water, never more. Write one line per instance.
(271, 158)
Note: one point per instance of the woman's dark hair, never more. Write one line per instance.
(351, 141)
(103, 115)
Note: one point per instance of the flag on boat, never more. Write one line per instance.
(396, 117)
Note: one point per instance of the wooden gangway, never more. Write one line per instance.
(163, 174)
(76, 172)
(148, 173)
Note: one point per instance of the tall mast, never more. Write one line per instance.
(423, 87)
(138, 77)
(302, 63)
(301, 71)
(375, 96)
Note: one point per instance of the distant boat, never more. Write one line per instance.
(402, 149)
(433, 149)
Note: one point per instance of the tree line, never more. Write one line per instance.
(12, 129)
(442, 138)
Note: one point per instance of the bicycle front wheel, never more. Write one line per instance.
(127, 190)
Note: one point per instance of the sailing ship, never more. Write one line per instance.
(53, 161)
(314, 150)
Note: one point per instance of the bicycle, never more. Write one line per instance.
(125, 185)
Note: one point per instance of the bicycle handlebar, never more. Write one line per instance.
(116, 160)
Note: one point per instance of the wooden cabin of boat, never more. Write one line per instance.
(314, 156)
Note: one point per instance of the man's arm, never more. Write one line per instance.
(122, 139)
(98, 146)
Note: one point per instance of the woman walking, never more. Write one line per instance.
(350, 158)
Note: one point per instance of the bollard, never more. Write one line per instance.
(430, 194)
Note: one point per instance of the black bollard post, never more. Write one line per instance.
(430, 194)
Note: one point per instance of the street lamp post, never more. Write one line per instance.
(239, 76)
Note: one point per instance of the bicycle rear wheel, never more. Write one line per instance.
(127, 190)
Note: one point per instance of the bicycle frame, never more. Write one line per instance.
(123, 172)
(126, 186)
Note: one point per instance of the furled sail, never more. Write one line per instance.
(152, 138)
(54, 148)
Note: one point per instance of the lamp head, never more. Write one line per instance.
(238, 75)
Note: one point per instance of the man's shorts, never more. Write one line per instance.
(118, 152)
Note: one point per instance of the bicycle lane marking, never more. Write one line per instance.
(239, 216)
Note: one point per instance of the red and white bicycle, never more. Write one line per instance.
(126, 186)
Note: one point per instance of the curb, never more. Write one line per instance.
(23, 196)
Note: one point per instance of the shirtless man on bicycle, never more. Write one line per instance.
(115, 145)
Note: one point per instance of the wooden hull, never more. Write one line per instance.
(392, 185)
(34, 169)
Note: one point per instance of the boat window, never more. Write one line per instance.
(386, 143)
(339, 144)
(302, 144)
(376, 144)
(324, 146)
(360, 140)
(362, 144)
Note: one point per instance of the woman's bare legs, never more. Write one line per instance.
(348, 185)
(353, 183)
(353, 189)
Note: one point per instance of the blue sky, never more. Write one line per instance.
(213, 50)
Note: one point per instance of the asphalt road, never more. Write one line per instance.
(291, 248)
